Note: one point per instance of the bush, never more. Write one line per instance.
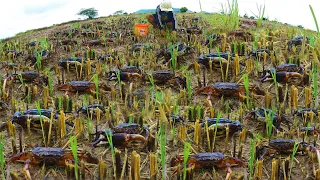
(90, 12)
(183, 9)
(119, 12)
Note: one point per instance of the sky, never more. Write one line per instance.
(22, 15)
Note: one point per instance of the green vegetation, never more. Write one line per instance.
(90, 13)
(74, 149)
(2, 158)
(183, 9)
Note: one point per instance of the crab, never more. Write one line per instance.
(4, 106)
(106, 57)
(228, 89)
(179, 50)
(71, 62)
(261, 113)
(29, 77)
(283, 146)
(208, 160)
(43, 54)
(297, 41)
(35, 116)
(302, 112)
(165, 76)
(194, 30)
(212, 38)
(218, 59)
(49, 156)
(126, 73)
(285, 77)
(259, 53)
(90, 109)
(312, 130)
(222, 124)
(11, 54)
(138, 47)
(124, 135)
(81, 87)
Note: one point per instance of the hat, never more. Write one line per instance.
(166, 6)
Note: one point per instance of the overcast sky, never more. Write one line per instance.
(21, 15)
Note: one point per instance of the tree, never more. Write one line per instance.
(90, 12)
(119, 12)
(183, 9)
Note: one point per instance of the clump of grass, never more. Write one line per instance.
(252, 157)
(109, 137)
(314, 18)
(21, 79)
(74, 149)
(41, 121)
(186, 151)
(245, 78)
(315, 72)
(189, 89)
(215, 130)
(269, 123)
(163, 141)
(2, 158)
(295, 149)
(39, 59)
(273, 74)
(96, 82)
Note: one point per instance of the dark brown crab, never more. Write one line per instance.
(228, 89)
(286, 77)
(179, 50)
(222, 124)
(49, 156)
(284, 68)
(165, 76)
(124, 135)
(126, 73)
(34, 116)
(81, 87)
(218, 59)
(208, 160)
(261, 113)
(72, 62)
(283, 146)
(297, 41)
(29, 77)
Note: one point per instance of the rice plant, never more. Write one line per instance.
(314, 18)
(188, 82)
(163, 142)
(295, 149)
(315, 72)
(74, 149)
(252, 157)
(96, 82)
(2, 158)
(186, 151)
(245, 78)
(109, 137)
(41, 122)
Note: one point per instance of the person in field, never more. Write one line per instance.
(164, 18)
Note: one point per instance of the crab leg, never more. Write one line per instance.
(26, 169)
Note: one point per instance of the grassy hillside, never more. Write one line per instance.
(157, 107)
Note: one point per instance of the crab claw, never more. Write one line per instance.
(23, 156)
(232, 161)
(128, 140)
(112, 75)
(63, 87)
(204, 90)
(26, 169)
